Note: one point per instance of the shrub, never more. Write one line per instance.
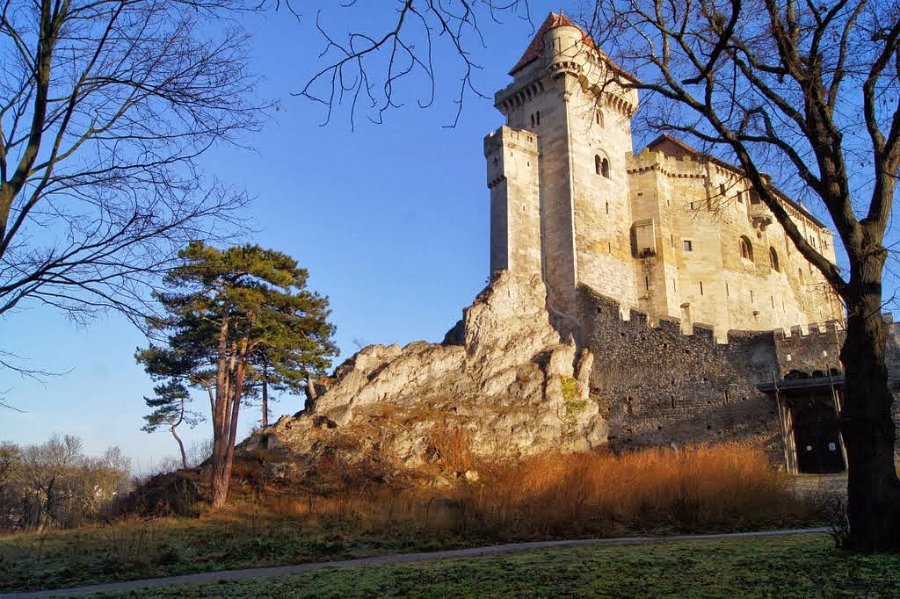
(170, 494)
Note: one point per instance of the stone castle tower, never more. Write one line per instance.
(669, 231)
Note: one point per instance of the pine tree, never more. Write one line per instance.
(170, 410)
(231, 311)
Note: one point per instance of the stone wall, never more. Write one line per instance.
(657, 386)
(816, 352)
(701, 211)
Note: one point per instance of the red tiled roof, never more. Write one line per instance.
(536, 46)
(534, 49)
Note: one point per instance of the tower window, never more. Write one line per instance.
(746, 248)
(599, 118)
(754, 197)
(601, 166)
(773, 260)
(688, 245)
(538, 117)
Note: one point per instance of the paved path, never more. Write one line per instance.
(401, 558)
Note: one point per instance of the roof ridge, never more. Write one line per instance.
(737, 169)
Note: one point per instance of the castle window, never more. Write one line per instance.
(746, 248)
(601, 166)
(599, 118)
(800, 275)
(538, 117)
(722, 190)
(754, 197)
(773, 260)
(740, 197)
(532, 119)
(688, 245)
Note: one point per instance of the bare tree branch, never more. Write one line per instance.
(365, 68)
(105, 106)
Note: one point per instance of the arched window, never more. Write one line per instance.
(599, 118)
(773, 259)
(746, 249)
(601, 166)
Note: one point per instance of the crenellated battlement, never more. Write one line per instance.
(672, 166)
(641, 322)
(812, 330)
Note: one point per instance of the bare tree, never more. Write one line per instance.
(365, 66)
(105, 106)
(809, 90)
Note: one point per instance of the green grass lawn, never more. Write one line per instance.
(136, 549)
(796, 566)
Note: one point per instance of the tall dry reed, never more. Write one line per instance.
(697, 488)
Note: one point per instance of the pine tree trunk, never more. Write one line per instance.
(181, 447)
(873, 508)
(265, 394)
(219, 473)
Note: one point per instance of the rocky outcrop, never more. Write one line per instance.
(503, 383)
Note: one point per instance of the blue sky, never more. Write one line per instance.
(391, 220)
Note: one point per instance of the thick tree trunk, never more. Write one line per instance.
(219, 478)
(873, 507)
(311, 394)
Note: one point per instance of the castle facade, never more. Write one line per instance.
(668, 231)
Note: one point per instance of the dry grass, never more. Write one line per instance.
(691, 489)
(701, 488)
(365, 508)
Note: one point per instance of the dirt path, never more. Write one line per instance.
(401, 558)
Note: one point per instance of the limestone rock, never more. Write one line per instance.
(502, 385)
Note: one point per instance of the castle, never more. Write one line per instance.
(668, 231)
(665, 264)
(637, 299)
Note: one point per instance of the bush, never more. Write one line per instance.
(168, 494)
